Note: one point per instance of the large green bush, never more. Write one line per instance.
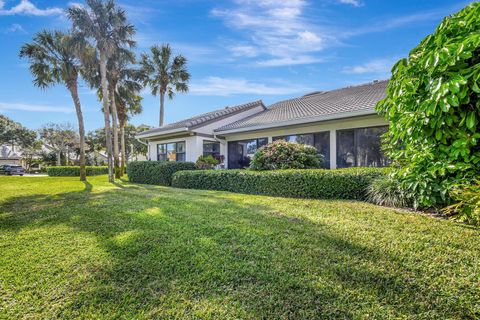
(74, 171)
(349, 183)
(286, 155)
(155, 172)
(433, 107)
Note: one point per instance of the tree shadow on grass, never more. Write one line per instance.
(190, 254)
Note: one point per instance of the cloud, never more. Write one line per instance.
(376, 66)
(33, 108)
(14, 28)
(355, 3)
(217, 86)
(275, 31)
(25, 7)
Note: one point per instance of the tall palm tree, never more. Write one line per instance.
(107, 25)
(53, 60)
(165, 74)
(129, 104)
(117, 70)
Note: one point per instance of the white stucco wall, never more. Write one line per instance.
(332, 126)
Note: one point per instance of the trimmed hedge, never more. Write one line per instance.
(74, 171)
(155, 172)
(351, 183)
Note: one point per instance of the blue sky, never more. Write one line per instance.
(238, 51)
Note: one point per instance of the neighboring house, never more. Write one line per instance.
(342, 124)
(8, 155)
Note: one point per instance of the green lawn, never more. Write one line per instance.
(97, 250)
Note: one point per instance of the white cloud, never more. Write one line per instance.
(377, 66)
(25, 7)
(217, 86)
(355, 3)
(275, 31)
(33, 108)
(14, 28)
(288, 61)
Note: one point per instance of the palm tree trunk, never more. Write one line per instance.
(122, 143)
(116, 149)
(81, 128)
(162, 107)
(106, 114)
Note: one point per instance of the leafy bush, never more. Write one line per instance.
(433, 107)
(467, 209)
(74, 171)
(286, 155)
(155, 172)
(206, 162)
(313, 183)
(387, 191)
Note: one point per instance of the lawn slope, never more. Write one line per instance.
(121, 251)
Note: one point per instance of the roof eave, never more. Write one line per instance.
(162, 133)
(299, 121)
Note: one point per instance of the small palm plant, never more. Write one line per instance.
(165, 74)
(54, 60)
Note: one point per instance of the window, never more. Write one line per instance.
(241, 152)
(211, 148)
(319, 140)
(361, 147)
(174, 151)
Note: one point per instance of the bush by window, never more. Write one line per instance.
(206, 162)
(286, 155)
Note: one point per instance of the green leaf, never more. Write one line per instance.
(471, 120)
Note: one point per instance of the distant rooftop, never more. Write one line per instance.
(360, 98)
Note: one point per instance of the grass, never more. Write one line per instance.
(124, 251)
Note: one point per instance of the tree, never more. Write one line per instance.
(14, 134)
(433, 107)
(106, 24)
(57, 137)
(31, 154)
(54, 60)
(164, 74)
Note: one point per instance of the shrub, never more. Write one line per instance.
(74, 171)
(432, 104)
(286, 155)
(387, 191)
(155, 172)
(313, 183)
(467, 209)
(206, 162)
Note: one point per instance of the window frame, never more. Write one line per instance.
(243, 140)
(165, 154)
(355, 144)
(210, 153)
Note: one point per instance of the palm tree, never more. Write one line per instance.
(164, 74)
(129, 103)
(107, 25)
(53, 60)
(117, 70)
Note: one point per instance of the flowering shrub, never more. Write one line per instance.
(286, 155)
(206, 162)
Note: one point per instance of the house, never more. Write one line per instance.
(8, 155)
(342, 124)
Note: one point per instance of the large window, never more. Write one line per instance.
(211, 148)
(174, 151)
(361, 147)
(320, 140)
(241, 152)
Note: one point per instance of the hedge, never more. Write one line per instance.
(74, 171)
(348, 183)
(155, 172)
